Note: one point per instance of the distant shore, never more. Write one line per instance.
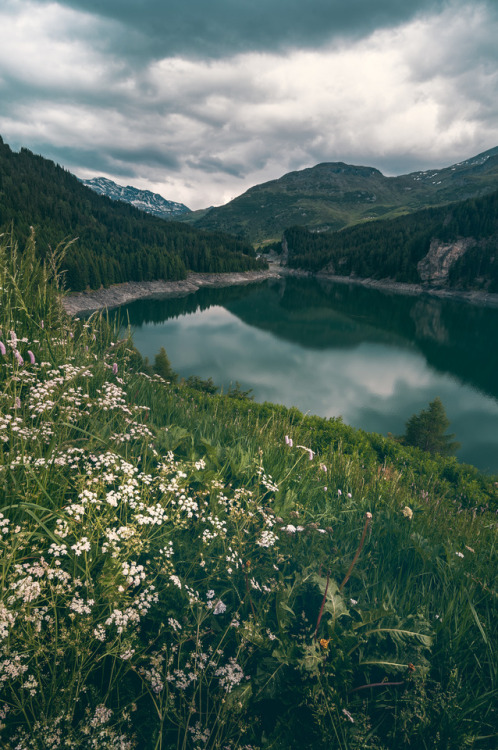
(475, 297)
(121, 294)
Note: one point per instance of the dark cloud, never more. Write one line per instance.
(211, 165)
(200, 29)
(154, 94)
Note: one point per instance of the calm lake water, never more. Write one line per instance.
(336, 349)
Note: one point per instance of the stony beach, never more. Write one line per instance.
(121, 294)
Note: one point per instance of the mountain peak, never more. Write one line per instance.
(145, 200)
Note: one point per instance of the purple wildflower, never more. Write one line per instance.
(115, 368)
(31, 357)
(2, 348)
(17, 355)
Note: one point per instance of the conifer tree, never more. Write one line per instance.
(162, 366)
(427, 430)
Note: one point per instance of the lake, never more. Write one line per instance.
(331, 349)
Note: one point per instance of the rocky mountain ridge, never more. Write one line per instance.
(145, 200)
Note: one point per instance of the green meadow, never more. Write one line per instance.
(183, 569)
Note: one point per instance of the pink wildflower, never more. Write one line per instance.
(31, 357)
(20, 360)
(2, 348)
(115, 368)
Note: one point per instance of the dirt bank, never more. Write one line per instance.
(121, 294)
(386, 285)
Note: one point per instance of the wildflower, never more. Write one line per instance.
(83, 545)
(348, 715)
(290, 529)
(18, 357)
(3, 350)
(115, 368)
(220, 608)
(323, 468)
(324, 643)
(17, 403)
(459, 554)
(339, 493)
(407, 512)
(42, 324)
(31, 357)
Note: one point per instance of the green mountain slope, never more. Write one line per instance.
(454, 246)
(332, 196)
(115, 241)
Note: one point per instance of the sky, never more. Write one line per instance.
(200, 100)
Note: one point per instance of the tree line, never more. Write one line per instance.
(393, 248)
(114, 241)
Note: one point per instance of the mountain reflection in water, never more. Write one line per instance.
(337, 349)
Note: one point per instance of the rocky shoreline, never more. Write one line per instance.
(121, 294)
(476, 297)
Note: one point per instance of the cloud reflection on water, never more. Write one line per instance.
(375, 386)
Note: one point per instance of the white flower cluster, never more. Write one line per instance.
(230, 675)
(267, 539)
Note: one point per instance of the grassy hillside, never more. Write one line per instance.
(113, 241)
(332, 196)
(189, 571)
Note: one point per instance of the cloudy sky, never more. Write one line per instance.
(198, 100)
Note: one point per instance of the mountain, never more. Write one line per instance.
(334, 195)
(112, 241)
(151, 203)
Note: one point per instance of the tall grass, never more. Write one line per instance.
(177, 574)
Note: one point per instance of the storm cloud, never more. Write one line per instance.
(199, 101)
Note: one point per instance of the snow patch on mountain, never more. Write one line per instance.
(145, 200)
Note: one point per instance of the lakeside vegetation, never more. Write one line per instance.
(187, 570)
(111, 241)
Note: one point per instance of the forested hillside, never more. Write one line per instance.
(453, 245)
(115, 242)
